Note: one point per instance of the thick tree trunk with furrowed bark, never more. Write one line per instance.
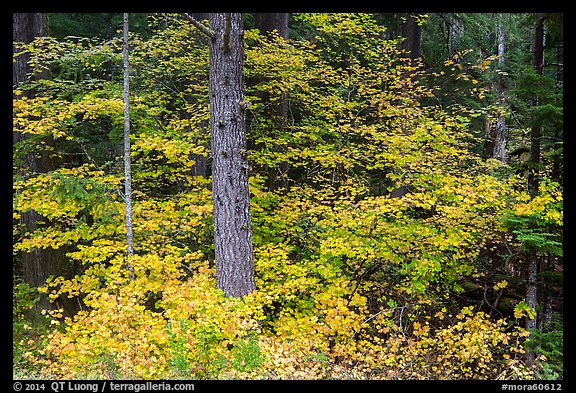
(230, 195)
(40, 263)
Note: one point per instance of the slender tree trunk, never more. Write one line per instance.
(557, 174)
(539, 44)
(41, 263)
(127, 169)
(536, 132)
(531, 288)
(533, 180)
(500, 132)
(456, 31)
(230, 196)
(547, 291)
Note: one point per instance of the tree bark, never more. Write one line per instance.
(533, 184)
(536, 132)
(25, 28)
(500, 132)
(266, 23)
(201, 162)
(127, 166)
(41, 263)
(230, 196)
(456, 32)
(531, 288)
(412, 32)
(547, 291)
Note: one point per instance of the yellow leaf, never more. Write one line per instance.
(502, 284)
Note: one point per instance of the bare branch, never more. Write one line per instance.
(206, 30)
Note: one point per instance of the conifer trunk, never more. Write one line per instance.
(231, 200)
(533, 185)
(411, 31)
(500, 132)
(266, 23)
(40, 263)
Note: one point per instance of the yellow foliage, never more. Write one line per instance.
(547, 204)
(351, 282)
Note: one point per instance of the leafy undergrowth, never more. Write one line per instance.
(321, 309)
(355, 280)
(197, 333)
(349, 286)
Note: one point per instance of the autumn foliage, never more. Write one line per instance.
(352, 282)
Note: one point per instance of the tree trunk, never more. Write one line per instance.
(531, 288)
(539, 44)
(548, 297)
(412, 32)
(26, 27)
(557, 174)
(532, 180)
(500, 132)
(536, 132)
(266, 23)
(201, 162)
(456, 32)
(230, 196)
(127, 168)
(41, 263)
